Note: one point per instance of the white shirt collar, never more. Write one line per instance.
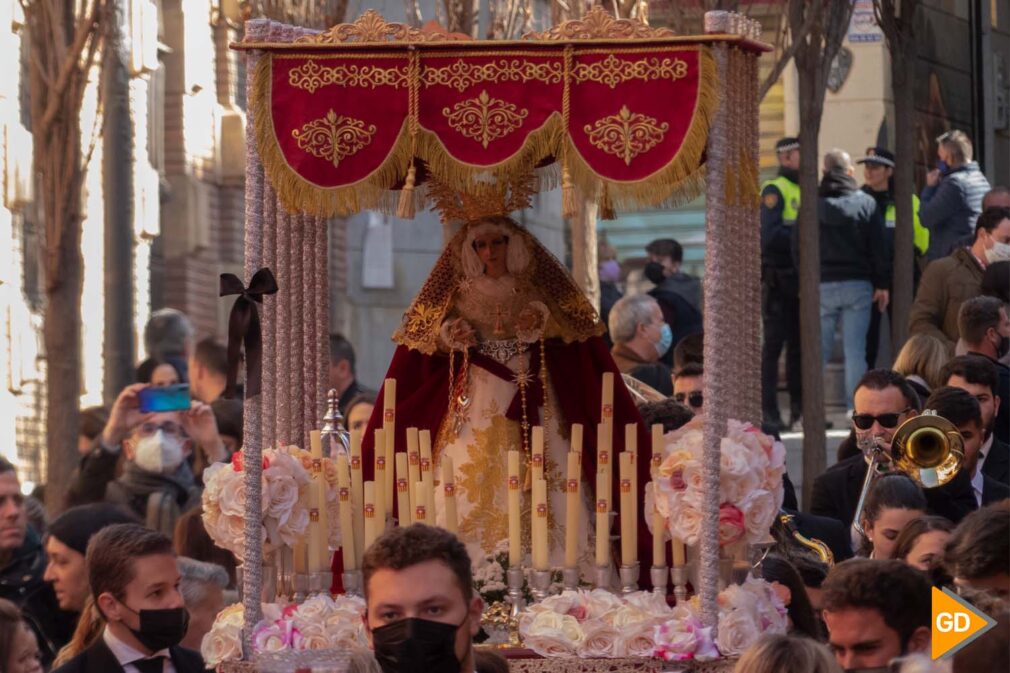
(124, 652)
(977, 481)
(983, 451)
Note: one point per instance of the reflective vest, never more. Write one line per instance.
(921, 235)
(790, 192)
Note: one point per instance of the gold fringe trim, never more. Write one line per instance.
(681, 180)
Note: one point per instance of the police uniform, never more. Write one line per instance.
(780, 302)
(885, 200)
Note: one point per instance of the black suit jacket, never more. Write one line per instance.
(99, 659)
(997, 461)
(992, 490)
(836, 493)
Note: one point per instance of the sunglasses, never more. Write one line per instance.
(865, 421)
(694, 399)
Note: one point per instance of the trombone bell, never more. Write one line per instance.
(929, 449)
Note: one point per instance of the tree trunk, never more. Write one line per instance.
(902, 76)
(117, 183)
(811, 107)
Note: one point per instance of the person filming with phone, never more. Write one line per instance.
(154, 433)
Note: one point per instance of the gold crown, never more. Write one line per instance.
(483, 199)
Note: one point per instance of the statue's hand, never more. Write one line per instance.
(458, 334)
(532, 321)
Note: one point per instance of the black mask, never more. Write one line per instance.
(654, 272)
(416, 646)
(1003, 347)
(160, 629)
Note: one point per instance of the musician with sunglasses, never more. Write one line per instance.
(142, 460)
(883, 401)
(688, 384)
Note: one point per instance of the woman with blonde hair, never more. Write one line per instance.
(787, 654)
(89, 629)
(920, 361)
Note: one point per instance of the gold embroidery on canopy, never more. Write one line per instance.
(626, 134)
(613, 71)
(598, 24)
(371, 27)
(334, 137)
(311, 76)
(462, 75)
(484, 118)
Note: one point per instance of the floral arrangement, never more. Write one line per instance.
(746, 612)
(285, 488)
(750, 483)
(319, 623)
(594, 624)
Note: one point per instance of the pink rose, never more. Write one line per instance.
(731, 524)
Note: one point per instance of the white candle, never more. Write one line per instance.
(628, 551)
(413, 466)
(515, 522)
(604, 453)
(324, 561)
(577, 439)
(539, 512)
(449, 490)
(602, 519)
(428, 481)
(357, 496)
(538, 452)
(371, 529)
(389, 434)
(572, 511)
(631, 447)
(421, 508)
(402, 490)
(380, 479)
(658, 523)
(346, 526)
(607, 398)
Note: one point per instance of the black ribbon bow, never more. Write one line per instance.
(244, 327)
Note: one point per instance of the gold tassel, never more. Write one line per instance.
(607, 206)
(405, 209)
(569, 207)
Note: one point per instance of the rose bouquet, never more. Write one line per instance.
(746, 612)
(750, 483)
(285, 490)
(320, 623)
(594, 624)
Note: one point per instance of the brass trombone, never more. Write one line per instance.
(928, 448)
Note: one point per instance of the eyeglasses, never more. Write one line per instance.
(865, 421)
(170, 428)
(694, 399)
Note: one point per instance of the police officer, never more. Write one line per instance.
(878, 176)
(780, 305)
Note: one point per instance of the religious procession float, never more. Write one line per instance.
(502, 417)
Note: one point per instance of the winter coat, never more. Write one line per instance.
(949, 209)
(945, 285)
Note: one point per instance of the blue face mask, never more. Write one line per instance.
(665, 340)
(941, 166)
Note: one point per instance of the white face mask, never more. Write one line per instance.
(158, 453)
(999, 252)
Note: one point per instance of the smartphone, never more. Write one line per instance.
(164, 398)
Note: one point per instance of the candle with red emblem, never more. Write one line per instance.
(515, 522)
(413, 466)
(629, 552)
(607, 398)
(371, 529)
(572, 511)
(538, 452)
(402, 490)
(389, 434)
(449, 490)
(658, 524)
(346, 525)
(605, 453)
(421, 507)
(631, 448)
(380, 480)
(357, 496)
(541, 559)
(602, 519)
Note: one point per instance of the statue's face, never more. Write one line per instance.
(492, 250)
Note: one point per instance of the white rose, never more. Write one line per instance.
(311, 637)
(281, 495)
(556, 626)
(270, 638)
(628, 616)
(294, 528)
(231, 499)
(600, 603)
(759, 510)
(222, 643)
(315, 609)
(685, 522)
(233, 615)
(639, 640)
(737, 632)
(550, 645)
(213, 480)
(568, 602)
(648, 602)
(600, 640)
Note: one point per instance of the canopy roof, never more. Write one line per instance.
(348, 118)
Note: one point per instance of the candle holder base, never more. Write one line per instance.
(629, 579)
(352, 582)
(570, 578)
(678, 575)
(320, 583)
(514, 578)
(541, 585)
(301, 582)
(660, 576)
(602, 577)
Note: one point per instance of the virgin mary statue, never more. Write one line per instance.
(499, 340)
